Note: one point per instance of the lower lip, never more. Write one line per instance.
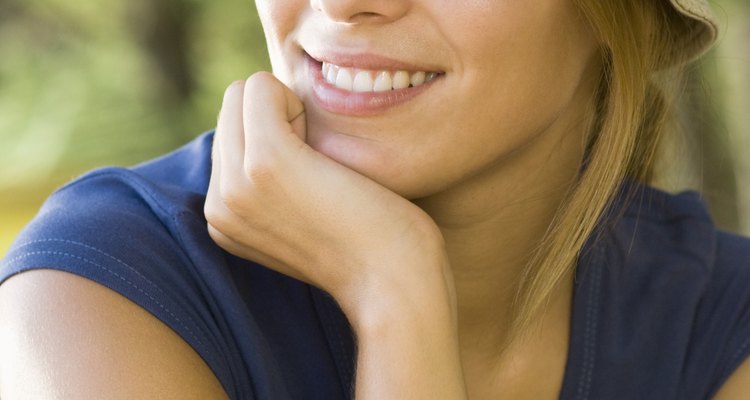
(359, 104)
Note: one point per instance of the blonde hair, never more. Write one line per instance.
(639, 41)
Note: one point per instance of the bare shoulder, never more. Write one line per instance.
(65, 337)
(738, 384)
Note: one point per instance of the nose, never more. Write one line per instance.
(361, 11)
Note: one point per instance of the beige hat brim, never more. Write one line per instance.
(706, 26)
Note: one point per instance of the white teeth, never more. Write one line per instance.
(401, 80)
(344, 79)
(383, 82)
(331, 74)
(360, 80)
(417, 78)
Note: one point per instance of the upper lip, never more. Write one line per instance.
(370, 61)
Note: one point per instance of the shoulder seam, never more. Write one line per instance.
(120, 277)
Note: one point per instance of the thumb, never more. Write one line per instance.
(298, 121)
(273, 108)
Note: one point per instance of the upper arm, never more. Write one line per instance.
(738, 384)
(66, 337)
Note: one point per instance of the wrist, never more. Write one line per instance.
(379, 303)
(407, 343)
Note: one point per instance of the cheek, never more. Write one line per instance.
(522, 76)
(520, 44)
(274, 12)
(279, 19)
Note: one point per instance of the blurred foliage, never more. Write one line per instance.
(730, 77)
(87, 83)
(91, 83)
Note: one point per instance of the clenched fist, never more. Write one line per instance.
(275, 200)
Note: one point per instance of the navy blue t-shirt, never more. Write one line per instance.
(660, 310)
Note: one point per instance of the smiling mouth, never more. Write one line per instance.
(364, 80)
(366, 85)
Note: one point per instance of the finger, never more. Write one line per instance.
(230, 138)
(269, 110)
(213, 183)
(255, 255)
(299, 125)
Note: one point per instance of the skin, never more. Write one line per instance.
(443, 198)
(81, 341)
(478, 205)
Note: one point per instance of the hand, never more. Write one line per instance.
(275, 200)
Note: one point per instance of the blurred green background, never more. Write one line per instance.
(86, 84)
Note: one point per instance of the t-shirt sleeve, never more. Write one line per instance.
(736, 250)
(721, 340)
(104, 227)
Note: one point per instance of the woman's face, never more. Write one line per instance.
(422, 95)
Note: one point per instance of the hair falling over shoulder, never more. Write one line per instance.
(642, 48)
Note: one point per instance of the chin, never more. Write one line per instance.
(379, 161)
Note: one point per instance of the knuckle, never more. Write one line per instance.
(234, 87)
(221, 239)
(259, 81)
(236, 204)
(214, 213)
(261, 173)
(215, 234)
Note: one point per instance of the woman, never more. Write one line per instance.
(464, 182)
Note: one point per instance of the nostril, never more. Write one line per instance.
(361, 11)
(365, 17)
(368, 15)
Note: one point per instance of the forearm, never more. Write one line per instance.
(408, 349)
